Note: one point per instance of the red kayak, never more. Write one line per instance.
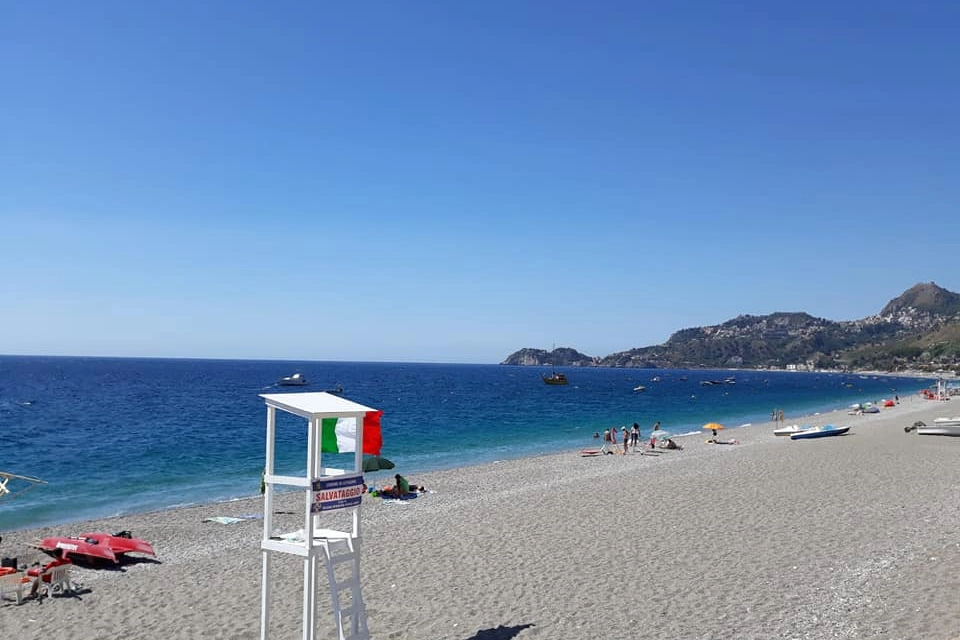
(121, 543)
(61, 546)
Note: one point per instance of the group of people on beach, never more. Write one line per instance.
(630, 436)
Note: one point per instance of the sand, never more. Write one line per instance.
(849, 537)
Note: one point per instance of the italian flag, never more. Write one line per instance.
(339, 435)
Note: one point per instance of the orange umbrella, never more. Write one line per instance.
(713, 426)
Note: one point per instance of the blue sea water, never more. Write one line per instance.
(122, 435)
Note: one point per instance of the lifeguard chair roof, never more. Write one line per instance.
(317, 404)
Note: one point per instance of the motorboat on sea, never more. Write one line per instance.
(940, 427)
(296, 380)
(555, 378)
(639, 387)
(825, 431)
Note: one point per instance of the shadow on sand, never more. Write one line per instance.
(500, 633)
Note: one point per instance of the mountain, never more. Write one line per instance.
(920, 328)
(558, 357)
(924, 298)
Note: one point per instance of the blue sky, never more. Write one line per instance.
(450, 182)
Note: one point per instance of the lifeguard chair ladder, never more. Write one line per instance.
(323, 488)
(352, 616)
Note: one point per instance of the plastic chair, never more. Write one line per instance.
(55, 580)
(13, 583)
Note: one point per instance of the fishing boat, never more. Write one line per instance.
(940, 427)
(555, 378)
(12, 484)
(825, 431)
(296, 380)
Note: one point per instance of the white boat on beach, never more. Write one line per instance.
(826, 431)
(940, 427)
(789, 430)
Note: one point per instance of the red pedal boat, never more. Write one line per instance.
(121, 543)
(62, 546)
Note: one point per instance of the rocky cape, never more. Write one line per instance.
(918, 329)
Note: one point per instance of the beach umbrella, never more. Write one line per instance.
(713, 426)
(376, 463)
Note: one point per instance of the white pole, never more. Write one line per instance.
(309, 565)
(265, 594)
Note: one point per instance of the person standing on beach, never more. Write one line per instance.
(635, 436)
(613, 436)
(626, 439)
(606, 441)
(654, 434)
(780, 416)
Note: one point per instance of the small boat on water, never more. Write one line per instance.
(296, 380)
(639, 387)
(825, 431)
(940, 427)
(555, 378)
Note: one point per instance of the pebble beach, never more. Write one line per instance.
(856, 536)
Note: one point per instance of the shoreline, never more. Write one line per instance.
(837, 537)
(578, 436)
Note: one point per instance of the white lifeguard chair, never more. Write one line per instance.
(325, 490)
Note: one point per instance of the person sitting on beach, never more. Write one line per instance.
(670, 444)
(402, 487)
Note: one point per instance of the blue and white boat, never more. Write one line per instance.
(825, 431)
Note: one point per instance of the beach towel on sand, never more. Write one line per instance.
(232, 519)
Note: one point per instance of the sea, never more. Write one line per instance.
(115, 436)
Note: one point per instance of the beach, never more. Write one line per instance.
(855, 536)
